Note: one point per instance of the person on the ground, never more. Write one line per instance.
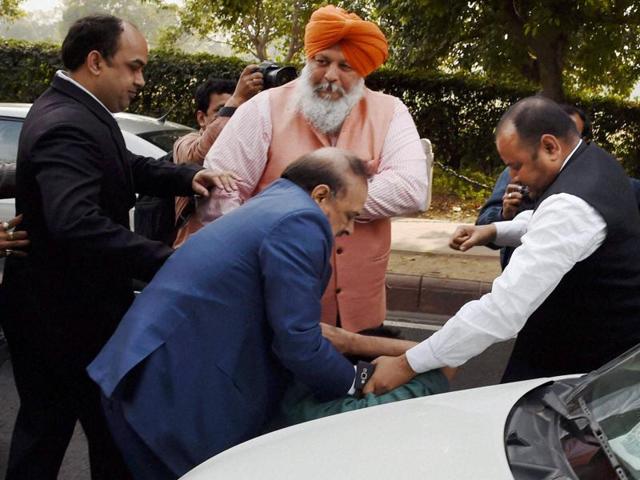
(202, 359)
(572, 289)
(330, 105)
(76, 183)
(216, 101)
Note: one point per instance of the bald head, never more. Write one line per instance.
(329, 166)
(337, 181)
(533, 117)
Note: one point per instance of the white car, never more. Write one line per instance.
(145, 136)
(536, 429)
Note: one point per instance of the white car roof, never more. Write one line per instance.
(18, 110)
(130, 122)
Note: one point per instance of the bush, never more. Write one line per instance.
(457, 113)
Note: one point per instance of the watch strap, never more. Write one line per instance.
(364, 371)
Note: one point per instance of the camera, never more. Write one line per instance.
(274, 75)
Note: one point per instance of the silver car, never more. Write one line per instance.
(145, 136)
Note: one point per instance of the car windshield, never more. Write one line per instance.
(611, 397)
(164, 139)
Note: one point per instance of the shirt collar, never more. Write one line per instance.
(63, 75)
(571, 154)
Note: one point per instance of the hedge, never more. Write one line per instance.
(457, 113)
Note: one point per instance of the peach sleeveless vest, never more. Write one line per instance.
(357, 287)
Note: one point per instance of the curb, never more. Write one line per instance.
(434, 295)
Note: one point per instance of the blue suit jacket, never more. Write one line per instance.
(200, 361)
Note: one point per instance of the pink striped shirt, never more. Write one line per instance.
(399, 187)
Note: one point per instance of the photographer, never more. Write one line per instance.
(216, 101)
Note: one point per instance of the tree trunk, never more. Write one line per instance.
(549, 48)
(548, 44)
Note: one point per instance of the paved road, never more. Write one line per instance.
(484, 370)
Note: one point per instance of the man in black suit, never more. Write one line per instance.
(75, 185)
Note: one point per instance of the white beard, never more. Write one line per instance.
(326, 115)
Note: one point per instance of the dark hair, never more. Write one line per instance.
(326, 166)
(535, 116)
(587, 130)
(212, 85)
(95, 32)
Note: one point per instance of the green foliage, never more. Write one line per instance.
(258, 28)
(457, 113)
(572, 45)
(10, 9)
(446, 184)
(172, 79)
(149, 18)
(26, 69)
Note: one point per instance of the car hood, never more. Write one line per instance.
(448, 436)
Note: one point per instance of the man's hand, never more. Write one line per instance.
(339, 337)
(390, 372)
(249, 84)
(467, 236)
(11, 241)
(511, 201)
(204, 180)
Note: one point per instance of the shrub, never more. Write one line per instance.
(457, 113)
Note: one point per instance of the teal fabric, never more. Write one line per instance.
(299, 405)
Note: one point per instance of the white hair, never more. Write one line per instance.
(326, 115)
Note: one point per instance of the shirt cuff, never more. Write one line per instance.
(421, 358)
(352, 390)
(506, 235)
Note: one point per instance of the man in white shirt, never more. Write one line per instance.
(572, 290)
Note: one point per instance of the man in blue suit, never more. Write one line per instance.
(201, 360)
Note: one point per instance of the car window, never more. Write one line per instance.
(9, 134)
(164, 138)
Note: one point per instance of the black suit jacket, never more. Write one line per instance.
(76, 183)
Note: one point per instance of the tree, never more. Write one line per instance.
(151, 19)
(588, 45)
(10, 9)
(262, 28)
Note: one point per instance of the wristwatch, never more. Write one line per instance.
(364, 371)
(227, 111)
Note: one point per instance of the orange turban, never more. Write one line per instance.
(363, 44)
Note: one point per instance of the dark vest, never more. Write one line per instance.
(593, 315)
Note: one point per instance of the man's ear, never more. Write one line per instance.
(200, 118)
(551, 146)
(94, 62)
(320, 193)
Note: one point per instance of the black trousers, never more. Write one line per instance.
(55, 392)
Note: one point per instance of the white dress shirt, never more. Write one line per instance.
(65, 76)
(562, 231)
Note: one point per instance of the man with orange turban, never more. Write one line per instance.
(329, 105)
